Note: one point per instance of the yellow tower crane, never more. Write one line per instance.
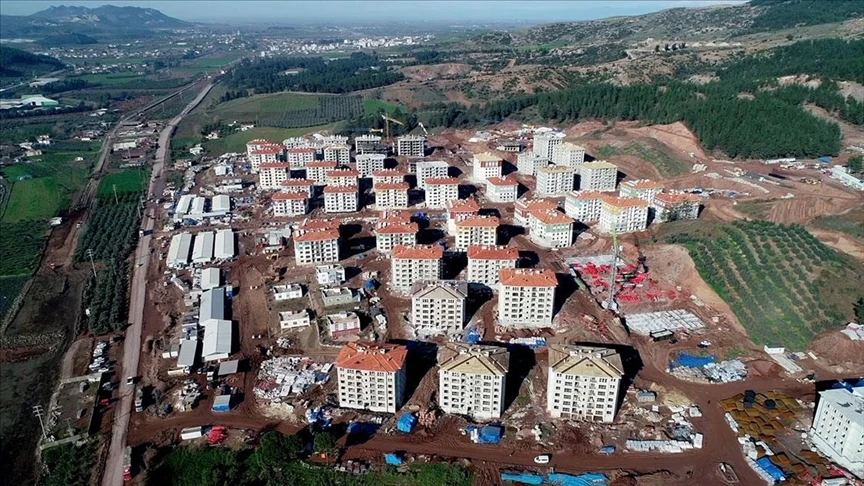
(387, 119)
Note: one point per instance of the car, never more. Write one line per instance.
(543, 459)
(130, 380)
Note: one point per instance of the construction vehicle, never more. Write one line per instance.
(127, 465)
(139, 400)
(425, 132)
(387, 121)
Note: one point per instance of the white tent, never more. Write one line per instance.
(212, 305)
(202, 252)
(210, 278)
(218, 339)
(178, 250)
(224, 244)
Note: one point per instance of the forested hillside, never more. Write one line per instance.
(15, 63)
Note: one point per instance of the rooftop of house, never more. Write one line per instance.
(392, 186)
(599, 164)
(298, 182)
(274, 165)
(327, 164)
(440, 289)
(366, 356)
(289, 196)
(317, 235)
(319, 223)
(676, 198)
(493, 252)
(625, 202)
(528, 277)
(398, 229)
(339, 189)
(267, 150)
(642, 184)
(343, 173)
(440, 181)
(502, 181)
(418, 252)
(487, 157)
(395, 216)
(551, 216)
(463, 206)
(474, 359)
(571, 146)
(302, 150)
(556, 169)
(479, 221)
(535, 204)
(586, 195)
(389, 173)
(586, 361)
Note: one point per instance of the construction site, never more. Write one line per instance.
(273, 327)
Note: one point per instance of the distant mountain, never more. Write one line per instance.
(85, 20)
(15, 63)
(714, 22)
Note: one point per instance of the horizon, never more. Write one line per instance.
(340, 11)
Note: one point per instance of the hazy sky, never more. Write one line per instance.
(432, 10)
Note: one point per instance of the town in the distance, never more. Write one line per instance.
(626, 251)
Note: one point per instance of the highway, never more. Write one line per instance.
(113, 474)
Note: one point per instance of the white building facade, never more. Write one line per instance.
(526, 298)
(472, 380)
(410, 264)
(583, 383)
(438, 307)
(486, 261)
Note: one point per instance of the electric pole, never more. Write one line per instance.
(92, 264)
(37, 411)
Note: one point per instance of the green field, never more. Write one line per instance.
(373, 106)
(289, 110)
(110, 79)
(126, 181)
(757, 208)
(782, 283)
(10, 288)
(34, 199)
(651, 151)
(21, 246)
(851, 223)
(236, 142)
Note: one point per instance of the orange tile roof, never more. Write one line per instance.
(274, 165)
(327, 164)
(343, 173)
(398, 228)
(389, 173)
(435, 181)
(302, 150)
(394, 217)
(289, 196)
(463, 206)
(535, 204)
(625, 202)
(585, 195)
(676, 197)
(318, 235)
(392, 186)
(335, 189)
(267, 150)
(528, 277)
(318, 224)
(298, 182)
(492, 252)
(260, 141)
(480, 221)
(551, 217)
(418, 252)
(502, 181)
(643, 184)
(366, 356)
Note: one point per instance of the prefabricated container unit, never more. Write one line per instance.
(222, 403)
(179, 249)
(220, 204)
(224, 244)
(183, 204)
(202, 251)
(198, 205)
(210, 278)
(190, 433)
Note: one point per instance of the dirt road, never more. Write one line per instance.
(113, 475)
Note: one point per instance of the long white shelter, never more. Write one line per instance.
(178, 250)
(202, 252)
(224, 244)
(218, 339)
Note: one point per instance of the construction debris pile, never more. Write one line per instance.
(679, 432)
(289, 375)
(670, 320)
(632, 284)
(854, 331)
(760, 415)
(705, 369)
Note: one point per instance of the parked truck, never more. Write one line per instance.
(139, 400)
(127, 465)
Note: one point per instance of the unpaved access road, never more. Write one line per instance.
(113, 475)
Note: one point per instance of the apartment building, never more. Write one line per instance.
(623, 215)
(410, 264)
(568, 154)
(838, 427)
(263, 155)
(545, 143)
(343, 177)
(411, 146)
(340, 199)
(318, 169)
(529, 163)
(673, 206)
(524, 207)
(371, 376)
(438, 307)
(459, 209)
(440, 191)
(472, 380)
(583, 382)
(300, 157)
(555, 180)
(290, 204)
(486, 165)
(391, 235)
(476, 230)
(526, 297)
(334, 140)
(502, 189)
(430, 169)
(271, 175)
(369, 144)
(303, 186)
(317, 224)
(367, 164)
(257, 144)
(550, 228)
(316, 246)
(391, 195)
(584, 206)
(388, 176)
(640, 188)
(339, 152)
(486, 261)
(296, 142)
(598, 176)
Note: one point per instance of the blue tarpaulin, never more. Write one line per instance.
(591, 479)
(371, 285)
(825, 159)
(472, 336)
(362, 428)
(490, 434)
(769, 467)
(690, 361)
(607, 450)
(406, 422)
(524, 478)
(393, 459)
